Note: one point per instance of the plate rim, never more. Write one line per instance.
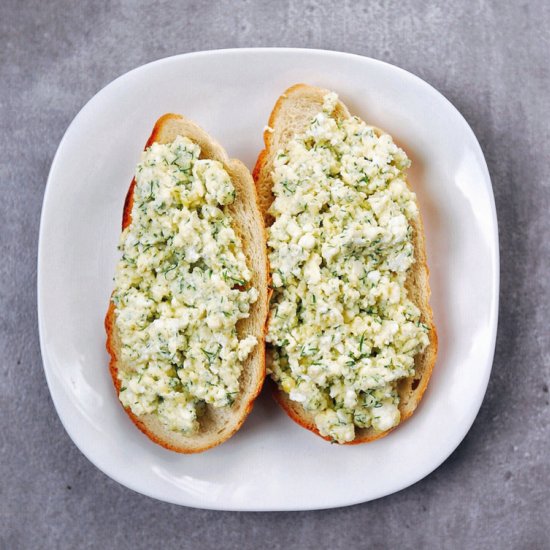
(420, 473)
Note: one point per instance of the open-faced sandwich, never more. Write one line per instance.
(185, 324)
(351, 341)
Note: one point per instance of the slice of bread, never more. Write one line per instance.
(292, 115)
(216, 424)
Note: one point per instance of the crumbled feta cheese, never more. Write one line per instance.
(343, 329)
(181, 286)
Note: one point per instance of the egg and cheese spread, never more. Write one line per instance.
(181, 286)
(342, 328)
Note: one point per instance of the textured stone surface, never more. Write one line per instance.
(491, 60)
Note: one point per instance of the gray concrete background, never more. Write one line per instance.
(491, 59)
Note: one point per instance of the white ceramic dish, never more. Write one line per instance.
(271, 464)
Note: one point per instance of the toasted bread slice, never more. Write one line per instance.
(291, 115)
(216, 424)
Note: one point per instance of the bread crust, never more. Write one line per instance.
(216, 425)
(289, 116)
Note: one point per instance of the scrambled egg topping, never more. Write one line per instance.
(181, 286)
(341, 325)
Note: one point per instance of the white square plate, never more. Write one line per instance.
(271, 464)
